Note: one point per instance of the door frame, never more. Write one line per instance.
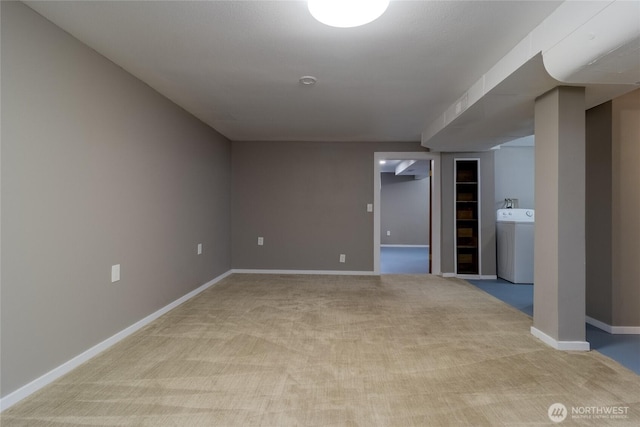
(435, 235)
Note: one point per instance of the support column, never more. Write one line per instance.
(559, 272)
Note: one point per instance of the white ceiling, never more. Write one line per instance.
(418, 169)
(236, 64)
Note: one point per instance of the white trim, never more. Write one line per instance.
(436, 207)
(477, 276)
(316, 272)
(625, 330)
(471, 276)
(621, 330)
(560, 345)
(35, 385)
(404, 246)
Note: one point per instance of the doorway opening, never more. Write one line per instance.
(406, 213)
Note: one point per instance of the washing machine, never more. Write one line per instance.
(514, 239)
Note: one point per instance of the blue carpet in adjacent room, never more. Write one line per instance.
(624, 349)
(518, 296)
(404, 260)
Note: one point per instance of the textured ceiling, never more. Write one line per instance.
(236, 64)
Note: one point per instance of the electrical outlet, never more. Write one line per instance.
(343, 258)
(115, 273)
(199, 248)
(388, 232)
(260, 241)
(369, 207)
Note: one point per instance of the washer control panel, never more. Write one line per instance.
(515, 215)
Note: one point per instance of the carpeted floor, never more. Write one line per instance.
(275, 350)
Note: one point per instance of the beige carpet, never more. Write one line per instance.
(274, 350)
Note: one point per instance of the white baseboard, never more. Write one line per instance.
(318, 272)
(404, 246)
(35, 385)
(471, 276)
(560, 345)
(477, 276)
(621, 330)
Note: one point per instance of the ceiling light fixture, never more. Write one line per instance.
(307, 80)
(382, 162)
(347, 13)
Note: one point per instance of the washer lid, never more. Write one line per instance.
(515, 215)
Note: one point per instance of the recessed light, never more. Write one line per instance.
(307, 80)
(382, 162)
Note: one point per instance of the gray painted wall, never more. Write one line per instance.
(515, 176)
(404, 210)
(598, 219)
(309, 202)
(626, 210)
(97, 169)
(488, 213)
(613, 203)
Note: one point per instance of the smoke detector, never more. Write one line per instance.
(307, 80)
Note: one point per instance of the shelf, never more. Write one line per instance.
(467, 211)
